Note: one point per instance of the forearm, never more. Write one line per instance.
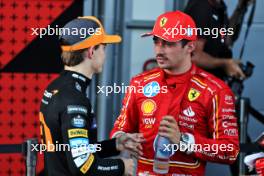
(107, 167)
(221, 150)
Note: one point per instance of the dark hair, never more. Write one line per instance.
(184, 42)
(73, 58)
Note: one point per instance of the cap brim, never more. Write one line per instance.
(147, 34)
(112, 39)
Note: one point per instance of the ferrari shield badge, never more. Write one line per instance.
(193, 94)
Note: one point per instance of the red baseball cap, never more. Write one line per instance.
(174, 26)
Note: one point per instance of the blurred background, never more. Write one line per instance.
(28, 63)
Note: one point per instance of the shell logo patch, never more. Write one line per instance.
(163, 21)
(148, 107)
(193, 94)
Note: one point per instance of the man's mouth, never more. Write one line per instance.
(160, 59)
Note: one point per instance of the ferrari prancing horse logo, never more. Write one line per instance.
(193, 94)
(163, 21)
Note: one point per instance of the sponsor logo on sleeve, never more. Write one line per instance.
(81, 159)
(151, 89)
(87, 164)
(228, 117)
(47, 94)
(76, 109)
(194, 120)
(54, 91)
(226, 124)
(107, 168)
(77, 142)
(77, 132)
(184, 124)
(81, 150)
(148, 107)
(229, 100)
(149, 122)
(79, 146)
(74, 75)
(230, 132)
(78, 121)
(78, 86)
(228, 110)
(193, 94)
(188, 112)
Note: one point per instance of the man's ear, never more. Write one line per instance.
(191, 46)
(90, 52)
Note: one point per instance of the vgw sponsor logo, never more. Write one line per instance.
(149, 122)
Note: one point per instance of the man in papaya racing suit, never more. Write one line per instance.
(66, 116)
(181, 102)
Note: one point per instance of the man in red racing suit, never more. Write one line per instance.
(201, 107)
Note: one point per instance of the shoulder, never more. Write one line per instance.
(147, 76)
(65, 93)
(211, 82)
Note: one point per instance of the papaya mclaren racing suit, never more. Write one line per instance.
(203, 107)
(66, 118)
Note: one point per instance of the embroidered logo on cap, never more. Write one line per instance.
(163, 21)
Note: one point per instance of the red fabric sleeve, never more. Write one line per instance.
(127, 121)
(222, 144)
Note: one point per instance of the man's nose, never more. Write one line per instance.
(159, 49)
(160, 43)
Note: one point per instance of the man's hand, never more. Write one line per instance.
(131, 142)
(169, 128)
(231, 67)
(129, 166)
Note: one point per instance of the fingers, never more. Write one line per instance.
(167, 135)
(169, 128)
(240, 75)
(238, 71)
(169, 118)
(171, 133)
(134, 147)
(132, 142)
(233, 69)
(136, 137)
(169, 122)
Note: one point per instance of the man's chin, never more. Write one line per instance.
(163, 66)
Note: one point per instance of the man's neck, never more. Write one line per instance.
(183, 68)
(81, 69)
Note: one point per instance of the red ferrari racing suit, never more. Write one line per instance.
(203, 107)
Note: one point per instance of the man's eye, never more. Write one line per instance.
(155, 42)
(170, 43)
